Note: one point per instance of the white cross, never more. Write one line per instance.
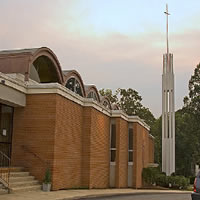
(167, 14)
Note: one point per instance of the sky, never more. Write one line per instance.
(111, 43)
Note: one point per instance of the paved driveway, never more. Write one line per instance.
(149, 197)
(78, 194)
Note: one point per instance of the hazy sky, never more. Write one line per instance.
(111, 43)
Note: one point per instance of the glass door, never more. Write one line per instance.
(6, 123)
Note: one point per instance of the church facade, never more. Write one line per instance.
(50, 119)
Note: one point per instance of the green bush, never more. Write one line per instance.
(178, 182)
(153, 175)
(161, 180)
(149, 175)
(191, 179)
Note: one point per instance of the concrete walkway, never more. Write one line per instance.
(75, 194)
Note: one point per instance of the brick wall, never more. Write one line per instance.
(122, 153)
(96, 149)
(151, 150)
(143, 153)
(75, 141)
(33, 134)
(85, 174)
(145, 147)
(138, 153)
(68, 144)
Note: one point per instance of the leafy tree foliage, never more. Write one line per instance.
(130, 102)
(188, 128)
(187, 142)
(156, 131)
(187, 122)
(192, 102)
(108, 92)
(187, 131)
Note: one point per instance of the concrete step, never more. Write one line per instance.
(12, 169)
(24, 183)
(25, 189)
(3, 191)
(21, 179)
(19, 174)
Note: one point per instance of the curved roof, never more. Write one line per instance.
(20, 61)
(89, 88)
(67, 74)
(115, 107)
(105, 99)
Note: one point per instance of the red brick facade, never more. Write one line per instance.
(67, 132)
(122, 153)
(74, 141)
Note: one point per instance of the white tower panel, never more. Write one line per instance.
(168, 116)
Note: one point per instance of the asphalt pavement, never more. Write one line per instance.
(146, 197)
(122, 194)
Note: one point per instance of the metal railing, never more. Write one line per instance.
(28, 150)
(4, 170)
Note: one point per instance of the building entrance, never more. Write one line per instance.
(6, 123)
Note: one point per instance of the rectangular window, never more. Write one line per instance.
(113, 142)
(130, 144)
(113, 136)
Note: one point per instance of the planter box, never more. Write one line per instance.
(46, 187)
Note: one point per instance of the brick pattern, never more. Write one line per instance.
(143, 153)
(34, 127)
(138, 153)
(85, 175)
(97, 130)
(68, 144)
(151, 150)
(122, 153)
(75, 142)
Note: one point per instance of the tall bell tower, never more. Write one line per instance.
(168, 113)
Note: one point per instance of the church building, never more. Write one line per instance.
(49, 119)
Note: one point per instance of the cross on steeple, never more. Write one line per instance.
(167, 14)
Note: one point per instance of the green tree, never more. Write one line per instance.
(188, 128)
(130, 102)
(156, 131)
(192, 102)
(108, 93)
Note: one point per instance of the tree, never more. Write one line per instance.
(188, 128)
(192, 102)
(108, 93)
(130, 102)
(156, 131)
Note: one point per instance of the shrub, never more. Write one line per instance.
(47, 177)
(192, 179)
(152, 175)
(178, 182)
(161, 180)
(149, 175)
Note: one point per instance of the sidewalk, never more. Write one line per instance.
(75, 194)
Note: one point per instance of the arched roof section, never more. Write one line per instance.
(69, 74)
(115, 107)
(106, 102)
(92, 88)
(39, 63)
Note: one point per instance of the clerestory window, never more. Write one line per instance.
(92, 95)
(74, 86)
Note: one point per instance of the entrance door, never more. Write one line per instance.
(6, 122)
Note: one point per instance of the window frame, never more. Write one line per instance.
(111, 148)
(130, 150)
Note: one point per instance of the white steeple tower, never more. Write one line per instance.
(168, 114)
